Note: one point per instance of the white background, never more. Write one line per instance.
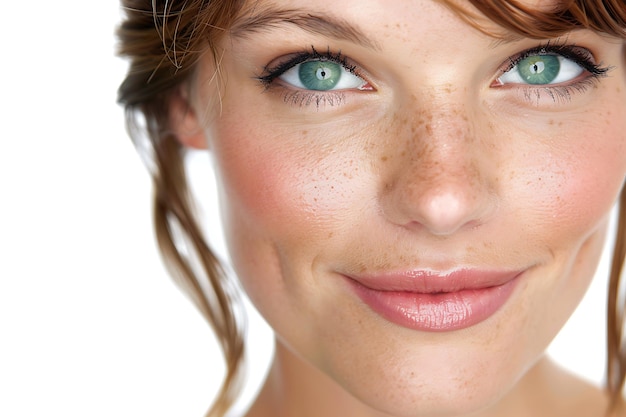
(90, 324)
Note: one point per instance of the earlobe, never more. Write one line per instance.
(185, 123)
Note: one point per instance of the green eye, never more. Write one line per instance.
(319, 75)
(542, 69)
(322, 75)
(539, 69)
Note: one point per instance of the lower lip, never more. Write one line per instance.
(441, 312)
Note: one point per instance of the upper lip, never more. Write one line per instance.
(432, 282)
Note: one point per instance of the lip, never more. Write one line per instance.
(434, 301)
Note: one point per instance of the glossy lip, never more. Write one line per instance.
(437, 302)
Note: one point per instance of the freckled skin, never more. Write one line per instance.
(435, 170)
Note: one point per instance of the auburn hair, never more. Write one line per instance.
(164, 39)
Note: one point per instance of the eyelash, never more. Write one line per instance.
(271, 73)
(581, 56)
(578, 55)
(306, 97)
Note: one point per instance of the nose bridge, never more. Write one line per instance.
(442, 141)
(441, 184)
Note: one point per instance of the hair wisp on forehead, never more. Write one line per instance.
(164, 39)
(550, 21)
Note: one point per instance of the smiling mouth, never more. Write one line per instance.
(435, 302)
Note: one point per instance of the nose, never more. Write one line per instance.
(443, 183)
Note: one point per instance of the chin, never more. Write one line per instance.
(407, 374)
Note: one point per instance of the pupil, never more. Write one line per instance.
(538, 67)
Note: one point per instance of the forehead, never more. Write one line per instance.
(346, 7)
(363, 17)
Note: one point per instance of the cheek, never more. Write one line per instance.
(565, 197)
(573, 178)
(288, 195)
(596, 170)
(284, 187)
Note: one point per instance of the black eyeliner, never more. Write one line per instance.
(271, 73)
(577, 54)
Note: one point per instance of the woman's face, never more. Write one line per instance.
(415, 207)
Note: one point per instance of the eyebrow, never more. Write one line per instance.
(319, 24)
(507, 39)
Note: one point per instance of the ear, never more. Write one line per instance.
(185, 123)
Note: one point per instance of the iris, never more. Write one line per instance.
(539, 69)
(319, 75)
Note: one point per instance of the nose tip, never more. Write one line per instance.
(441, 209)
(446, 212)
